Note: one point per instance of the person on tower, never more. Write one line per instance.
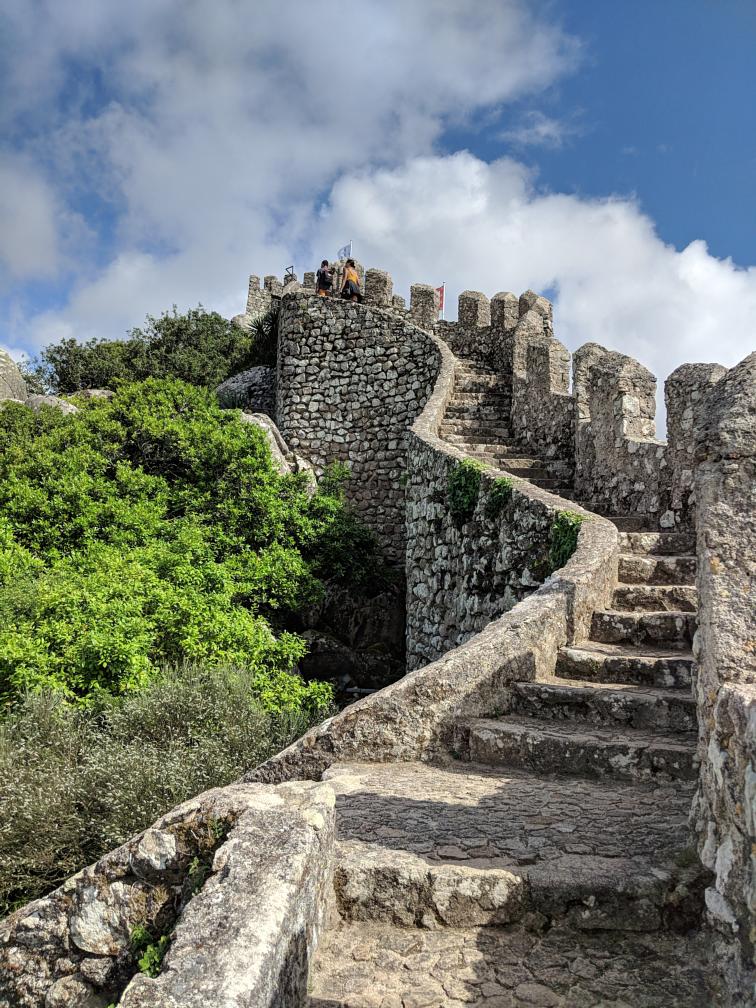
(350, 289)
(324, 280)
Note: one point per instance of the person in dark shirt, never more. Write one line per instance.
(324, 281)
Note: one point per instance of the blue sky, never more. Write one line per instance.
(158, 152)
(661, 107)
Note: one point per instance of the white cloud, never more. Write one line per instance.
(535, 129)
(28, 229)
(487, 227)
(215, 130)
(212, 126)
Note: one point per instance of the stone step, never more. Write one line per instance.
(658, 543)
(606, 704)
(467, 382)
(614, 627)
(485, 398)
(555, 485)
(465, 845)
(635, 568)
(654, 598)
(498, 415)
(489, 432)
(376, 965)
(575, 748)
(485, 442)
(634, 523)
(518, 467)
(613, 663)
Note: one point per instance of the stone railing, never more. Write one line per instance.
(237, 877)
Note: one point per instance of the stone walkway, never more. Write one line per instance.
(379, 966)
(548, 862)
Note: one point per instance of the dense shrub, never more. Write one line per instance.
(154, 528)
(197, 346)
(77, 781)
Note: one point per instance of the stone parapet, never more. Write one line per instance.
(685, 394)
(237, 878)
(725, 685)
(619, 461)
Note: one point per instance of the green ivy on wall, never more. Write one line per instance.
(564, 536)
(463, 490)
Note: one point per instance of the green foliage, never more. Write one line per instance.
(264, 334)
(151, 960)
(463, 490)
(197, 346)
(78, 781)
(153, 528)
(564, 536)
(499, 495)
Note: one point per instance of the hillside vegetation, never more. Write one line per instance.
(153, 564)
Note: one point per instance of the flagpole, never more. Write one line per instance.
(443, 302)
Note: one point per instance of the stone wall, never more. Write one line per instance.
(351, 379)
(685, 394)
(725, 685)
(239, 879)
(618, 460)
(415, 718)
(542, 407)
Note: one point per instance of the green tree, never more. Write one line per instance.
(153, 528)
(197, 346)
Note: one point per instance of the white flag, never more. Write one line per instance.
(345, 253)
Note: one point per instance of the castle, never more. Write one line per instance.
(556, 806)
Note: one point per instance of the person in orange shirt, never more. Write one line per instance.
(350, 289)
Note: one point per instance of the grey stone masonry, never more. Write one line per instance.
(424, 303)
(618, 459)
(542, 408)
(685, 394)
(245, 937)
(379, 288)
(259, 301)
(725, 684)
(351, 380)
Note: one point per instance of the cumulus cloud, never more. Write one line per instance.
(487, 227)
(210, 129)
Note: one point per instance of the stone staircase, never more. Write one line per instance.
(477, 422)
(547, 861)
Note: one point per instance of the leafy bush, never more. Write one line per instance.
(464, 487)
(564, 536)
(154, 528)
(78, 781)
(196, 346)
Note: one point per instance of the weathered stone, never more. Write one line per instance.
(725, 809)
(39, 402)
(12, 385)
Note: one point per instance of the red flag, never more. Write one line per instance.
(440, 292)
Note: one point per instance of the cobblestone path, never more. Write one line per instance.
(548, 861)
